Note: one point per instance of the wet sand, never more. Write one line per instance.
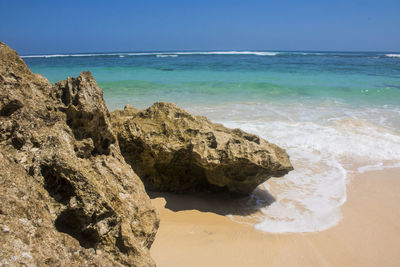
(195, 232)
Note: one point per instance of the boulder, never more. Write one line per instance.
(67, 196)
(172, 150)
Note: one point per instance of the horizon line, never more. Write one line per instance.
(224, 52)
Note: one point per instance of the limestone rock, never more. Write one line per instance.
(67, 196)
(171, 150)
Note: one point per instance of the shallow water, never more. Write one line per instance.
(335, 113)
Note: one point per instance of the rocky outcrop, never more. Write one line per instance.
(172, 150)
(67, 196)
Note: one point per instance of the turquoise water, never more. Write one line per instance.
(337, 114)
(351, 78)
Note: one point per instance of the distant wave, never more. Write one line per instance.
(166, 55)
(70, 55)
(158, 54)
(46, 56)
(256, 53)
(393, 55)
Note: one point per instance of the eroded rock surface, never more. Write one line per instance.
(67, 196)
(172, 150)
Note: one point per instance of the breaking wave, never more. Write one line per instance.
(158, 54)
(393, 55)
(327, 145)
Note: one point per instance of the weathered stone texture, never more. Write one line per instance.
(67, 196)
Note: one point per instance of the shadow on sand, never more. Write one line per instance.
(222, 203)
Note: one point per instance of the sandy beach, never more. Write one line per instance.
(200, 134)
(195, 232)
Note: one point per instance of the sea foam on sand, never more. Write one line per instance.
(326, 145)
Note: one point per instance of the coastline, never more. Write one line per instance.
(364, 237)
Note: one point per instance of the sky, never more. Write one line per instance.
(48, 27)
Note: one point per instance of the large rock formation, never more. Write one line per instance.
(172, 150)
(67, 196)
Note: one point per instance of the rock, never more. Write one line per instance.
(67, 196)
(172, 150)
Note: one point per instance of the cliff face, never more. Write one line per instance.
(67, 196)
(172, 150)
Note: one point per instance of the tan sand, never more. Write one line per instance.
(368, 235)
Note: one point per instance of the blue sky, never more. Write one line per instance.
(34, 27)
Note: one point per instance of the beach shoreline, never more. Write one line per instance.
(192, 234)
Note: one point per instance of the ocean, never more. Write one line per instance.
(336, 113)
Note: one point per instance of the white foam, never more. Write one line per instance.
(377, 167)
(306, 53)
(325, 144)
(158, 54)
(70, 55)
(308, 199)
(44, 56)
(392, 55)
(257, 53)
(239, 53)
(166, 56)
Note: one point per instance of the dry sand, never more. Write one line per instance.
(194, 232)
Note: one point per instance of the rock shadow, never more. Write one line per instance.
(221, 203)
